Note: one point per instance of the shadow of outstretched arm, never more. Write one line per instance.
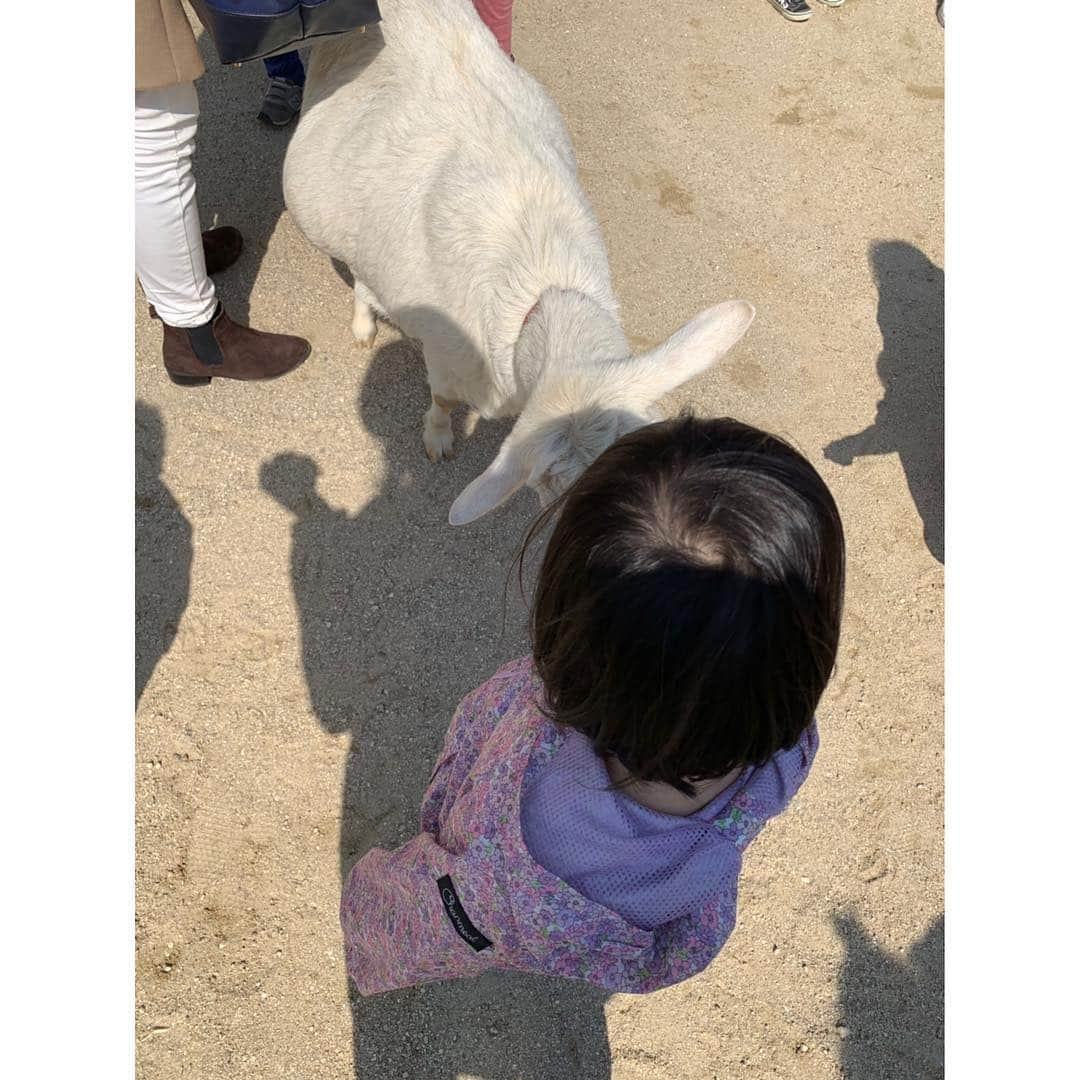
(910, 420)
(864, 443)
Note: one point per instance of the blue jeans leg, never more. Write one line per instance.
(286, 66)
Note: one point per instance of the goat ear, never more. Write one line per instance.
(693, 349)
(491, 488)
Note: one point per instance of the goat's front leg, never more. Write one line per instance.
(365, 309)
(438, 433)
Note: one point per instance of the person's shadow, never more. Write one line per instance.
(910, 417)
(894, 1010)
(163, 550)
(400, 616)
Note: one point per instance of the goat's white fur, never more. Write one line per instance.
(442, 174)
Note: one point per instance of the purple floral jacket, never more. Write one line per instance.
(465, 896)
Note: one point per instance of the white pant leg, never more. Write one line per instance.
(168, 238)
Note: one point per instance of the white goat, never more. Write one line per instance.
(442, 175)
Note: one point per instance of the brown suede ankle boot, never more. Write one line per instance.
(221, 248)
(222, 349)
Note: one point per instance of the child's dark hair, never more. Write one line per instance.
(687, 611)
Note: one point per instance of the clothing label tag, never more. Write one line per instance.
(456, 913)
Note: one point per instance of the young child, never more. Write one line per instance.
(588, 815)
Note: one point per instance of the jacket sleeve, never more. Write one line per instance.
(165, 49)
(474, 720)
(459, 750)
(404, 925)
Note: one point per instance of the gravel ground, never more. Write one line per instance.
(307, 620)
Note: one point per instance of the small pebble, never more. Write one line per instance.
(805, 880)
(843, 1031)
(802, 1048)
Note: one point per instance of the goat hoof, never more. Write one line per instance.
(364, 328)
(472, 421)
(439, 445)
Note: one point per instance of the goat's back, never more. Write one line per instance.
(416, 142)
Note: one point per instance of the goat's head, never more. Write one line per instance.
(577, 410)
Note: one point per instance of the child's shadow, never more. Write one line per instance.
(910, 417)
(400, 616)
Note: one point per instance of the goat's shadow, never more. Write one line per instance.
(400, 616)
(910, 417)
(894, 1009)
(163, 550)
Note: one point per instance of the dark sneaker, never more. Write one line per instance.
(281, 102)
(795, 10)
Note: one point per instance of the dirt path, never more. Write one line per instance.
(308, 621)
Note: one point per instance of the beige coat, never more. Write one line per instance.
(165, 50)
